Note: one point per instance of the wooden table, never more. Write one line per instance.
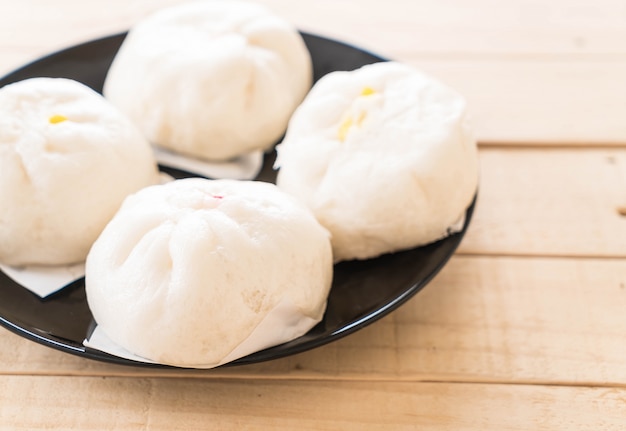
(526, 326)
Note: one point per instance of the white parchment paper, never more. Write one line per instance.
(244, 167)
(45, 280)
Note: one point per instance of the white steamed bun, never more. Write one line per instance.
(211, 79)
(383, 156)
(68, 159)
(199, 272)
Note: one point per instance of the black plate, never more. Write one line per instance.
(362, 291)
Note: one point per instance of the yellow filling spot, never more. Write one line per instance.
(344, 127)
(55, 119)
(349, 121)
(367, 91)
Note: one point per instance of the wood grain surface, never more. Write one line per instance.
(524, 329)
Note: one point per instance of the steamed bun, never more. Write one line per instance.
(383, 156)
(211, 79)
(67, 161)
(199, 272)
